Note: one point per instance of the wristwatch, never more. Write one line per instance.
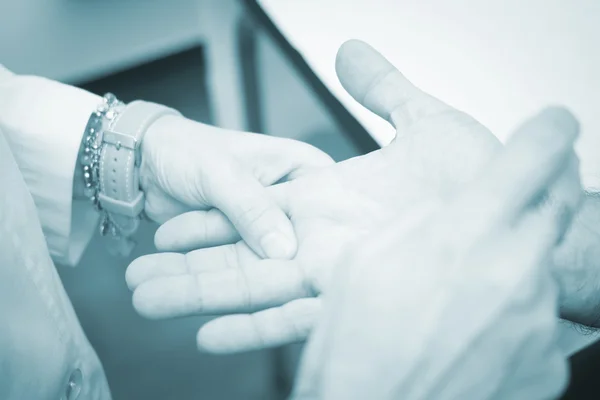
(119, 194)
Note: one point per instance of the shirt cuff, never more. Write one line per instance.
(44, 122)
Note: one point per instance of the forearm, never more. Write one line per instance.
(578, 266)
(44, 122)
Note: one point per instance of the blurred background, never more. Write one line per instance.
(215, 63)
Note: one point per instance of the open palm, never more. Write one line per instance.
(436, 149)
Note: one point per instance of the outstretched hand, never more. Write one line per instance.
(188, 165)
(459, 302)
(437, 148)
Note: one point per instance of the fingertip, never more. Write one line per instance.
(353, 43)
(269, 232)
(202, 343)
(553, 130)
(279, 244)
(151, 266)
(374, 82)
(215, 338)
(140, 302)
(137, 271)
(561, 118)
(358, 65)
(256, 215)
(205, 340)
(534, 158)
(350, 49)
(131, 274)
(162, 239)
(160, 298)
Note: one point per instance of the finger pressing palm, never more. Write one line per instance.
(436, 149)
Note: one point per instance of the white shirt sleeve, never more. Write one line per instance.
(43, 122)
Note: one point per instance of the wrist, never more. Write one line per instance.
(120, 162)
(157, 137)
(577, 266)
(110, 162)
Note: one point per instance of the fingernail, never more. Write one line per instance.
(277, 245)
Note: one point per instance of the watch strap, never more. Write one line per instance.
(120, 196)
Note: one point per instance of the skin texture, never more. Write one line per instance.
(577, 266)
(436, 151)
(470, 281)
(191, 166)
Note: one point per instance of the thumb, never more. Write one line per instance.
(259, 220)
(462, 144)
(376, 84)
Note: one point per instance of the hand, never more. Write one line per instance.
(577, 263)
(188, 165)
(437, 149)
(459, 303)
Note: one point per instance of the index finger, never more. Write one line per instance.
(199, 229)
(534, 158)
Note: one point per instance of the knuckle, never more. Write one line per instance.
(209, 231)
(196, 296)
(252, 215)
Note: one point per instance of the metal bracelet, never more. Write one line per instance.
(100, 120)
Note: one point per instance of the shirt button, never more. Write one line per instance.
(74, 386)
